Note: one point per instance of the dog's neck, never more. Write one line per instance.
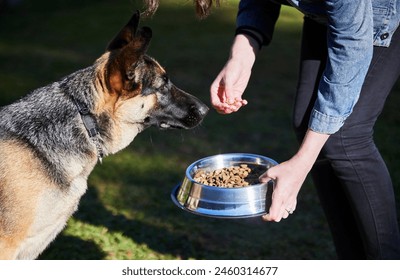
(90, 124)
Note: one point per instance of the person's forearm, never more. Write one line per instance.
(289, 176)
(310, 149)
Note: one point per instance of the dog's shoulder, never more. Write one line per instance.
(47, 121)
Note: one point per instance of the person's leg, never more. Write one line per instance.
(312, 63)
(359, 165)
(351, 178)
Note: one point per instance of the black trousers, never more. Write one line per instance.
(353, 183)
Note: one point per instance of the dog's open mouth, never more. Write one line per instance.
(164, 125)
(174, 125)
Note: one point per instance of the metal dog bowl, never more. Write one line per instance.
(221, 202)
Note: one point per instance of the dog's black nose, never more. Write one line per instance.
(197, 111)
(200, 108)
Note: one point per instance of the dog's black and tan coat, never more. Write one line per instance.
(51, 139)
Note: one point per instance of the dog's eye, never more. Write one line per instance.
(165, 79)
(165, 83)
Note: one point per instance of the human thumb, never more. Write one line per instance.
(267, 176)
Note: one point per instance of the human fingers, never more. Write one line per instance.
(275, 218)
(226, 91)
(217, 90)
(283, 198)
(227, 108)
(224, 108)
(235, 106)
(282, 213)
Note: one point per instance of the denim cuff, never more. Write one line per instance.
(325, 124)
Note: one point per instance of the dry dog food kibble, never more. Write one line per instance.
(230, 177)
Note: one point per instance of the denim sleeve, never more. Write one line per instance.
(259, 15)
(350, 47)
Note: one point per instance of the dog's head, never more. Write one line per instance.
(139, 88)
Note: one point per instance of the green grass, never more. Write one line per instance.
(127, 212)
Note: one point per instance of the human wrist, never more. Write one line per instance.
(252, 33)
(244, 48)
(310, 149)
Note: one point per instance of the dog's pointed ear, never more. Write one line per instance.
(129, 33)
(126, 51)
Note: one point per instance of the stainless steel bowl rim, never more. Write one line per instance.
(228, 155)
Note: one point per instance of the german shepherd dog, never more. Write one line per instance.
(51, 139)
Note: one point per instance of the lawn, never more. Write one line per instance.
(127, 212)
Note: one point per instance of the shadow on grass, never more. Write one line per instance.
(93, 212)
(72, 248)
(188, 237)
(141, 210)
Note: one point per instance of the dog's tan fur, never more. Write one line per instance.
(22, 193)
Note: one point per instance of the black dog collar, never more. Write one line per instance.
(90, 124)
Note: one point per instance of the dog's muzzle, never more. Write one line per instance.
(185, 115)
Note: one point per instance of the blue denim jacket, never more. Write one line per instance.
(354, 27)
